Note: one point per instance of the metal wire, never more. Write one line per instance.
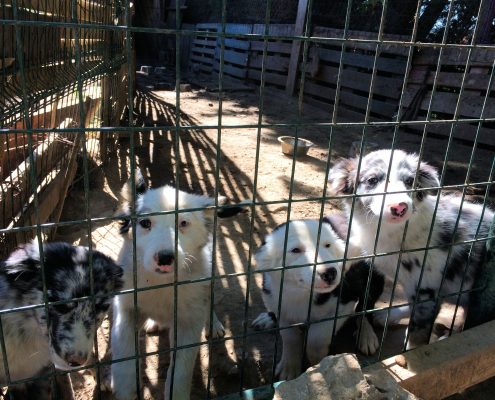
(83, 63)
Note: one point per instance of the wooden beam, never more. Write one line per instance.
(302, 10)
(90, 109)
(444, 368)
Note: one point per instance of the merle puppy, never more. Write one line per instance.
(396, 190)
(65, 339)
(298, 264)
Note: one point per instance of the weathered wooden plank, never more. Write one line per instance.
(395, 66)
(90, 110)
(208, 69)
(323, 105)
(274, 63)
(235, 43)
(296, 46)
(343, 113)
(273, 78)
(204, 45)
(202, 59)
(446, 367)
(47, 201)
(274, 29)
(238, 28)
(462, 131)
(401, 50)
(351, 99)
(274, 47)
(384, 86)
(455, 56)
(470, 104)
(13, 189)
(451, 79)
(231, 70)
(235, 57)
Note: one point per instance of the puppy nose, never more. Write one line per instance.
(77, 360)
(398, 210)
(329, 275)
(164, 258)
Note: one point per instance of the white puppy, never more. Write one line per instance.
(158, 253)
(298, 267)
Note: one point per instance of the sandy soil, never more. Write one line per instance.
(241, 361)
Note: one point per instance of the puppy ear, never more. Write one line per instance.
(427, 177)
(223, 212)
(126, 193)
(229, 211)
(262, 256)
(25, 259)
(342, 176)
(140, 184)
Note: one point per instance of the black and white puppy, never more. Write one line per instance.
(159, 253)
(298, 265)
(393, 190)
(65, 339)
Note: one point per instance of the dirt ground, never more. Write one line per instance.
(241, 361)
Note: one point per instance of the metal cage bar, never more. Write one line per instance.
(95, 58)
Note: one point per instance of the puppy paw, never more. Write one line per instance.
(288, 369)
(394, 318)
(368, 341)
(152, 327)
(263, 321)
(217, 330)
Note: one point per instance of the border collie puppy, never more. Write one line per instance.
(394, 191)
(65, 339)
(159, 252)
(298, 265)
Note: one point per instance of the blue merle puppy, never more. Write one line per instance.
(65, 339)
(396, 215)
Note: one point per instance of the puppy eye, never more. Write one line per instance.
(372, 181)
(183, 223)
(327, 245)
(409, 181)
(296, 250)
(145, 223)
(64, 308)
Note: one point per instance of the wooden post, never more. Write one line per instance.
(302, 10)
(90, 108)
(443, 368)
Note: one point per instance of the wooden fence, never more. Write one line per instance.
(446, 99)
(39, 88)
(243, 59)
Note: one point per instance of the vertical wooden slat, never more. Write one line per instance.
(302, 10)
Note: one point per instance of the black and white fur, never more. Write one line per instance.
(408, 199)
(155, 262)
(301, 251)
(64, 340)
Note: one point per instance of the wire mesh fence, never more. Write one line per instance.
(80, 117)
